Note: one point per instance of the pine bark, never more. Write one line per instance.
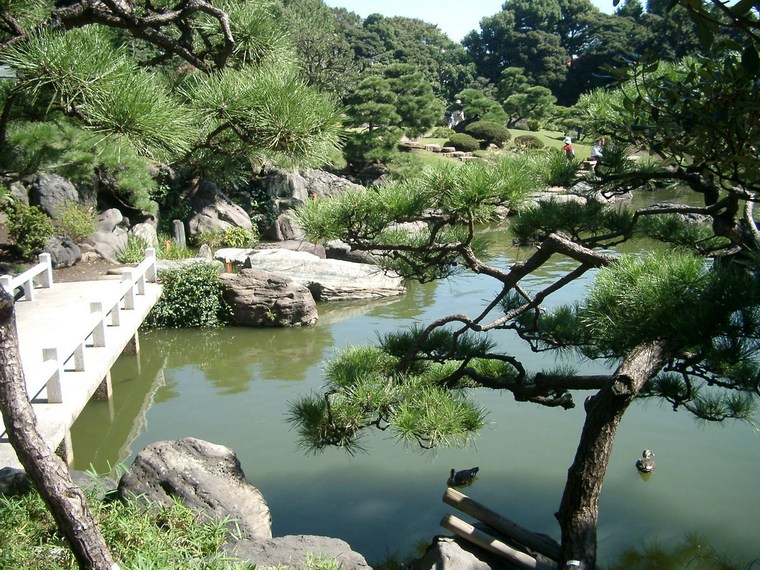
(579, 510)
(66, 501)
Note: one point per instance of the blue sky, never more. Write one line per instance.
(454, 18)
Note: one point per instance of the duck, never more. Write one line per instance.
(461, 478)
(645, 463)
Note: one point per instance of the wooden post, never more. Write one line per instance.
(503, 525)
(492, 544)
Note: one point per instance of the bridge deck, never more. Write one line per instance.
(60, 316)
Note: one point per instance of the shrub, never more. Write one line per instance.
(134, 252)
(440, 132)
(78, 222)
(463, 142)
(528, 142)
(231, 237)
(534, 125)
(192, 297)
(29, 227)
(491, 133)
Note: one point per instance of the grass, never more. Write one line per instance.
(139, 538)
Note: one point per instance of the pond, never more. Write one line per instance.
(233, 387)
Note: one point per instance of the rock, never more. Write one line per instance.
(284, 228)
(214, 211)
(51, 193)
(289, 189)
(260, 298)
(449, 554)
(19, 192)
(295, 245)
(330, 279)
(14, 482)
(146, 232)
(204, 477)
(110, 238)
(292, 551)
(95, 487)
(63, 251)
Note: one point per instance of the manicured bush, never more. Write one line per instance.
(463, 142)
(528, 142)
(440, 132)
(29, 227)
(490, 133)
(534, 125)
(191, 297)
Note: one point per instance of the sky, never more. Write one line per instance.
(454, 18)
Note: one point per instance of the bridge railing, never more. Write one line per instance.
(41, 274)
(70, 350)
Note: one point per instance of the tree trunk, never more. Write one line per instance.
(579, 509)
(66, 501)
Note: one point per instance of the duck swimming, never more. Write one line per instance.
(645, 463)
(461, 478)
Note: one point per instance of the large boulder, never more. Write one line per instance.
(292, 551)
(14, 482)
(451, 554)
(259, 298)
(146, 232)
(110, 237)
(63, 251)
(329, 279)
(204, 477)
(214, 211)
(289, 189)
(51, 193)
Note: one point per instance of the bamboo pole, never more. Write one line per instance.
(503, 525)
(492, 544)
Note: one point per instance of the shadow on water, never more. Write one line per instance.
(233, 387)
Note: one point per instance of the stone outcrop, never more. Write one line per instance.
(204, 477)
(63, 251)
(450, 554)
(51, 193)
(260, 298)
(214, 210)
(290, 188)
(329, 279)
(293, 550)
(110, 237)
(146, 232)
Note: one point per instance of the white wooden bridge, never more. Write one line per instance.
(70, 335)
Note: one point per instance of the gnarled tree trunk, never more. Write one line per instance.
(66, 501)
(579, 509)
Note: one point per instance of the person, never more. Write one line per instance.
(597, 151)
(568, 148)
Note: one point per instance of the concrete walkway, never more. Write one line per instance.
(63, 336)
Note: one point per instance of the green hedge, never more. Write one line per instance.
(463, 142)
(489, 132)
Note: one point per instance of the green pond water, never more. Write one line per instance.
(233, 387)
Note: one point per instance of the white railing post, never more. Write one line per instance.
(129, 297)
(28, 286)
(5, 282)
(150, 272)
(53, 384)
(47, 273)
(78, 355)
(99, 332)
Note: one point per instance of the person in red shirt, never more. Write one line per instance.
(568, 148)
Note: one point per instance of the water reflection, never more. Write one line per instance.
(233, 387)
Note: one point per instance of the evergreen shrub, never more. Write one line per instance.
(29, 227)
(191, 297)
(489, 132)
(463, 142)
(528, 142)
